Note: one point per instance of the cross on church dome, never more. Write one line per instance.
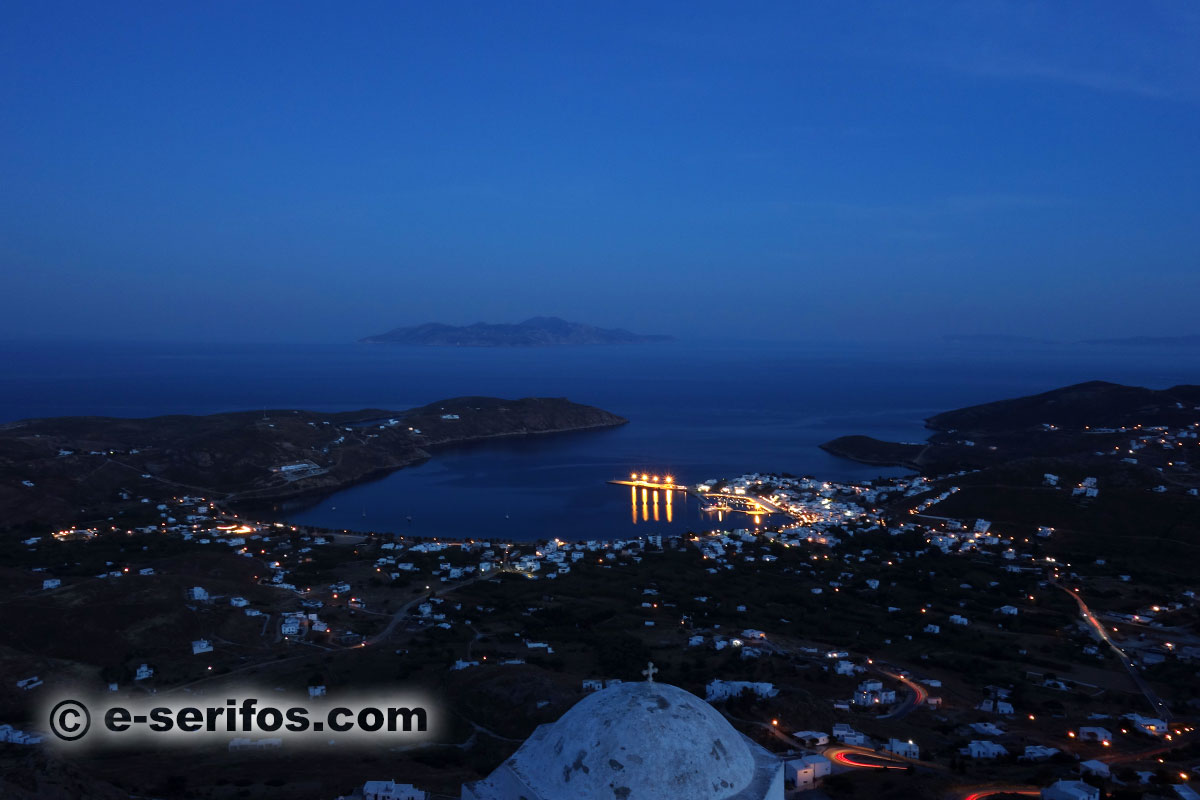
(649, 672)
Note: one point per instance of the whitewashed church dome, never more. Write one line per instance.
(633, 741)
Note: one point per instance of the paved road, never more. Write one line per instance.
(913, 700)
(1159, 705)
(401, 612)
(991, 790)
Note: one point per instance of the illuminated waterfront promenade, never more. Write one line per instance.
(648, 481)
(657, 493)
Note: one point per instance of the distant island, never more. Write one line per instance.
(60, 469)
(534, 332)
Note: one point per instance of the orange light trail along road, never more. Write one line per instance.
(844, 757)
(995, 792)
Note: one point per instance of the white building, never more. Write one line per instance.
(983, 749)
(1071, 790)
(51, 583)
(812, 738)
(621, 737)
(905, 748)
(806, 771)
(14, 736)
(1094, 734)
(1150, 725)
(847, 735)
(201, 646)
(390, 790)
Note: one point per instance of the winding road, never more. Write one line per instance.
(1157, 703)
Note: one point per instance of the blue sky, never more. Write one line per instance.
(303, 170)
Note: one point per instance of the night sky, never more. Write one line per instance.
(323, 171)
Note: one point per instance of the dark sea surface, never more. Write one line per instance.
(696, 410)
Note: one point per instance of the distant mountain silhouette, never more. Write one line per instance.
(535, 332)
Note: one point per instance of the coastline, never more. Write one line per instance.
(427, 453)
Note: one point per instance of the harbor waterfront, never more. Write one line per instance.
(780, 403)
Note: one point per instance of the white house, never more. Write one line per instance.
(51, 583)
(143, 672)
(871, 693)
(390, 790)
(1094, 734)
(316, 691)
(201, 646)
(806, 771)
(984, 749)
(996, 706)
(931, 628)
(1071, 790)
(1150, 725)
(1008, 611)
(956, 619)
(1094, 767)
(238, 602)
(905, 748)
(1037, 752)
(847, 735)
(812, 738)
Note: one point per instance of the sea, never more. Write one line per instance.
(696, 410)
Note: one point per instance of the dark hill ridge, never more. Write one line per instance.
(1066, 423)
(1095, 404)
(535, 332)
(80, 466)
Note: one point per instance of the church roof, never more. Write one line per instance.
(634, 741)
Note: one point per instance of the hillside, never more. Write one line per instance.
(62, 469)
